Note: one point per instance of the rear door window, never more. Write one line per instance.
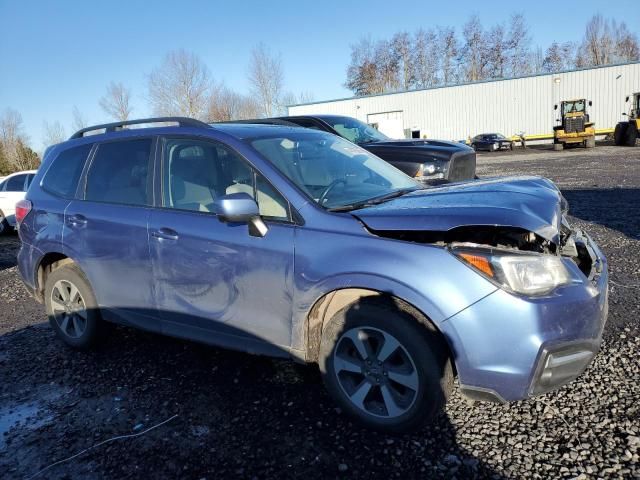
(16, 184)
(63, 174)
(119, 173)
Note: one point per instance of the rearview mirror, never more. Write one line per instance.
(240, 208)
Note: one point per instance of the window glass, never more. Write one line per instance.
(119, 173)
(64, 173)
(197, 172)
(16, 184)
(354, 130)
(330, 170)
(272, 205)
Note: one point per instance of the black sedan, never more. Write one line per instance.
(430, 161)
(491, 142)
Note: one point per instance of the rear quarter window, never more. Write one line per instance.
(64, 173)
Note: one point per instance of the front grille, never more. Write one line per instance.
(574, 124)
(462, 166)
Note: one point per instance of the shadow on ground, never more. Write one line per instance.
(615, 208)
(239, 415)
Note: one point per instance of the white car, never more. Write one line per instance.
(12, 189)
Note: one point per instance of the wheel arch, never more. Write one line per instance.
(49, 262)
(333, 301)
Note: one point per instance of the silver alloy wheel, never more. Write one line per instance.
(69, 309)
(375, 372)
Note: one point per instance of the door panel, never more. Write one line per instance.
(214, 276)
(110, 244)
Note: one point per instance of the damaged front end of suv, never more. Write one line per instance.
(542, 325)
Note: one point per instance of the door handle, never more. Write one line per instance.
(77, 220)
(164, 234)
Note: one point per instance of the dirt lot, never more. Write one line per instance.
(250, 417)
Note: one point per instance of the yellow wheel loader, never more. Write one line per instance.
(627, 132)
(575, 127)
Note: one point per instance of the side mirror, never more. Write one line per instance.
(590, 103)
(624, 114)
(555, 107)
(240, 208)
(626, 99)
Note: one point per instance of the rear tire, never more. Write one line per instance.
(632, 135)
(620, 133)
(72, 307)
(384, 367)
(558, 147)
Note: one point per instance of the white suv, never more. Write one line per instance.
(12, 190)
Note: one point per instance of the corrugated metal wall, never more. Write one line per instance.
(505, 106)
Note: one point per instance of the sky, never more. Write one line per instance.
(55, 55)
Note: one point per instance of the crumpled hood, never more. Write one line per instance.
(529, 202)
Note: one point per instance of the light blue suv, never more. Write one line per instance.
(292, 242)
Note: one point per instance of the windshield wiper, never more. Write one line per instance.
(374, 201)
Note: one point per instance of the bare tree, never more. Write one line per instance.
(11, 135)
(116, 102)
(558, 57)
(518, 47)
(401, 49)
(362, 70)
(53, 133)
(226, 105)
(474, 53)
(266, 78)
(426, 59)
(496, 52)
(449, 47)
(180, 86)
(598, 42)
(79, 120)
(626, 46)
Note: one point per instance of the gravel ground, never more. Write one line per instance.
(251, 417)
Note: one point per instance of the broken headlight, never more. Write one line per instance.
(520, 273)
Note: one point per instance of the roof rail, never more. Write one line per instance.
(115, 126)
(264, 121)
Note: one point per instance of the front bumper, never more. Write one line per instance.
(508, 347)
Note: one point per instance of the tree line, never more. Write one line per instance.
(444, 56)
(182, 85)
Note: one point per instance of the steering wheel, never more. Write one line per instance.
(330, 187)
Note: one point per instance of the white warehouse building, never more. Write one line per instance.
(509, 106)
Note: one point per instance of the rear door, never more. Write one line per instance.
(214, 281)
(105, 230)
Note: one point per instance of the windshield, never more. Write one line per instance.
(330, 170)
(574, 106)
(354, 130)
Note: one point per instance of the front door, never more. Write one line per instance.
(214, 281)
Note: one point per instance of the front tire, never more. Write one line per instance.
(632, 136)
(619, 133)
(385, 368)
(72, 307)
